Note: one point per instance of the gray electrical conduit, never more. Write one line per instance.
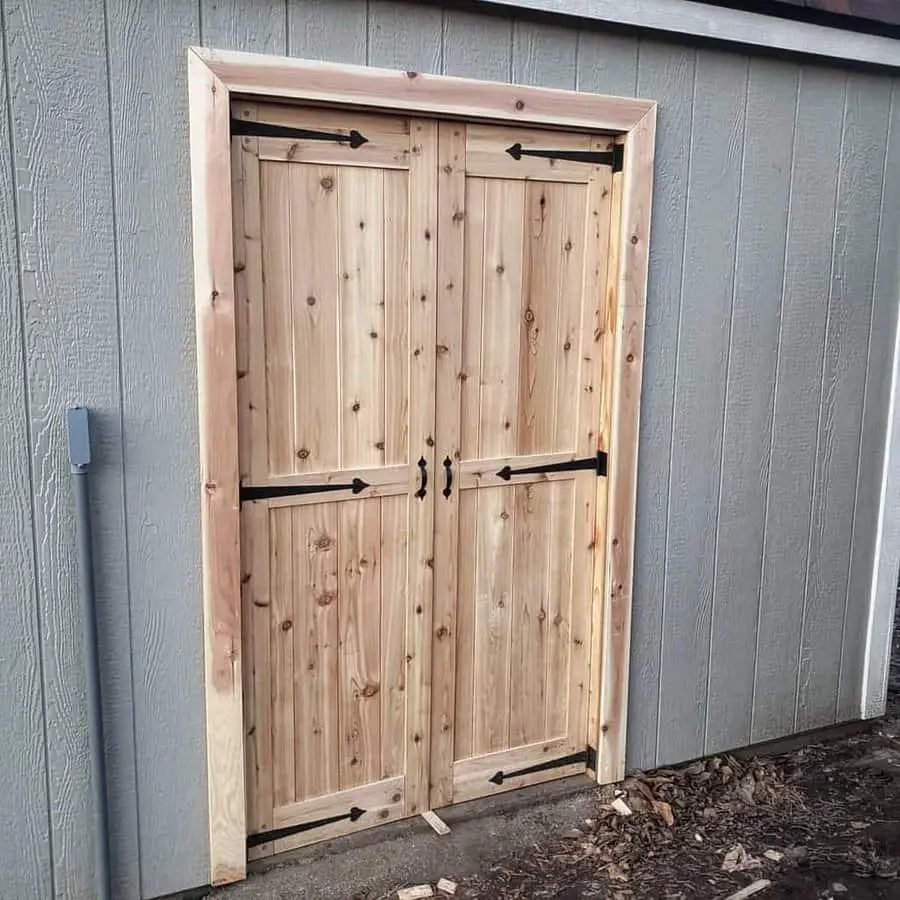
(79, 463)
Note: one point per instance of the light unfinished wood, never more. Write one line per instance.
(436, 822)
(633, 120)
(394, 553)
(601, 272)
(220, 522)
(278, 344)
(360, 641)
(361, 268)
(386, 146)
(456, 98)
(486, 154)
(471, 777)
(315, 316)
(382, 802)
(281, 614)
(423, 224)
(452, 143)
(633, 234)
(316, 649)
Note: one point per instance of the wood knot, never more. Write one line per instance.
(286, 625)
(327, 183)
(567, 346)
(370, 690)
(442, 632)
(520, 105)
(323, 542)
(634, 239)
(629, 358)
(325, 599)
(542, 614)
(458, 216)
(356, 406)
(529, 316)
(303, 453)
(504, 515)
(568, 245)
(310, 301)
(412, 74)
(500, 270)
(213, 297)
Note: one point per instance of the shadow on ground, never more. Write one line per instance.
(820, 822)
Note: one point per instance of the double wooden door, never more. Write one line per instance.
(421, 359)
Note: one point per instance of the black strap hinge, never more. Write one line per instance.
(274, 491)
(588, 756)
(589, 463)
(276, 834)
(247, 128)
(614, 157)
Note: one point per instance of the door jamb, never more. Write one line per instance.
(214, 77)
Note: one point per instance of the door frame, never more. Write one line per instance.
(217, 77)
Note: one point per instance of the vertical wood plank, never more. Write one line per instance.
(315, 636)
(256, 625)
(282, 586)
(472, 311)
(716, 154)
(561, 544)
(314, 266)
(359, 591)
(448, 399)
(537, 365)
(24, 827)
(258, 27)
(502, 311)
(322, 29)
(423, 224)
(750, 394)
(275, 212)
(843, 389)
(394, 604)
(873, 441)
(396, 318)
(404, 36)
(361, 324)
(528, 615)
(464, 718)
(493, 600)
(476, 46)
(543, 55)
(808, 259)
(668, 76)
(591, 621)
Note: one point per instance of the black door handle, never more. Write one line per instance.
(448, 476)
(423, 482)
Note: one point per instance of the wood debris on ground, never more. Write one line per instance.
(416, 892)
(446, 886)
(751, 890)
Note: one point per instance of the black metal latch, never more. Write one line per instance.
(264, 837)
(588, 756)
(614, 157)
(589, 463)
(246, 128)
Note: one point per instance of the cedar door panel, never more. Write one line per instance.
(335, 287)
(521, 314)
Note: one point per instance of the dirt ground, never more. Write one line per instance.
(820, 822)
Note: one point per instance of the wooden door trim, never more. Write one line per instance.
(215, 78)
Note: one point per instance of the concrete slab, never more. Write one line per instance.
(373, 864)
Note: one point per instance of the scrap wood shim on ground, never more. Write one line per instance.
(750, 890)
(446, 886)
(416, 892)
(436, 822)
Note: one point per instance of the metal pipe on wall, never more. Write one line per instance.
(79, 462)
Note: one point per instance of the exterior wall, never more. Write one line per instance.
(770, 338)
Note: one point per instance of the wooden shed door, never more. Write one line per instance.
(335, 252)
(521, 320)
(422, 306)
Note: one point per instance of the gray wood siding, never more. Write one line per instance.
(770, 334)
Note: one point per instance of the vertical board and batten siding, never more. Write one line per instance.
(770, 334)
